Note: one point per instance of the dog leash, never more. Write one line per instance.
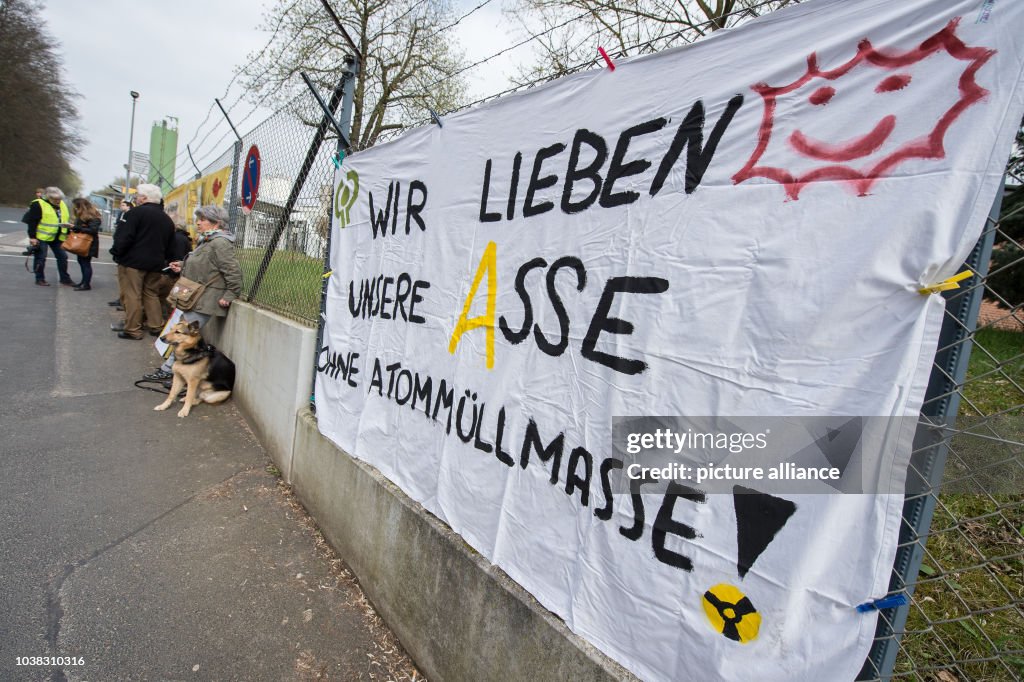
(152, 381)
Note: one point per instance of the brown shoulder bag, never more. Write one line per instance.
(78, 243)
(185, 293)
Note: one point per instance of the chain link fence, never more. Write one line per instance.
(284, 234)
(961, 554)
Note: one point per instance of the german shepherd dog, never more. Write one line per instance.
(206, 372)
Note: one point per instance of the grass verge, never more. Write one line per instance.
(291, 285)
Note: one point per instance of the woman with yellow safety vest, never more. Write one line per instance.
(48, 220)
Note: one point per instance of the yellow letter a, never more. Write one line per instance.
(488, 265)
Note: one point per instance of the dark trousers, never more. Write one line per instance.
(85, 263)
(39, 264)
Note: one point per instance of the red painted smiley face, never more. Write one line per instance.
(855, 123)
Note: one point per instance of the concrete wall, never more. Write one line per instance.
(458, 616)
(273, 359)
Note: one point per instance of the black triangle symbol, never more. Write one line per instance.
(759, 518)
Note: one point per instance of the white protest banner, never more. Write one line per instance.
(737, 227)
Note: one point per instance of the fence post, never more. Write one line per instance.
(348, 78)
(233, 206)
(300, 181)
(928, 461)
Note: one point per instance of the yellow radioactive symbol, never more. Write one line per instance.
(731, 613)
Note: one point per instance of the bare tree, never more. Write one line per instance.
(409, 60)
(38, 138)
(569, 31)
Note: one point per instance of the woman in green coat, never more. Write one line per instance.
(213, 262)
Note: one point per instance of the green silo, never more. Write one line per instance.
(163, 149)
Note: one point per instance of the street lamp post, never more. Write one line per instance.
(131, 141)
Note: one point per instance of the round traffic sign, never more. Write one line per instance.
(251, 177)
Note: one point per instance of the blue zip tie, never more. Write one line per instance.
(437, 119)
(337, 158)
(884, 603)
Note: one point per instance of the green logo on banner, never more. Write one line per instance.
(345, 197)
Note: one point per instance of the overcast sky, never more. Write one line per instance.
(179, 56)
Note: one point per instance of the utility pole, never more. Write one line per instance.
(131, 142)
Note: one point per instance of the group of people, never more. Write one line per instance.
(49, 223)
(150, 253)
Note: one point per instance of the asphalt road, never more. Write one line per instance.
(10, 220)
(147, 546)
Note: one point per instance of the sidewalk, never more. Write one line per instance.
(151, 547)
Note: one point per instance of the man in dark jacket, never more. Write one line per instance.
(141, 249)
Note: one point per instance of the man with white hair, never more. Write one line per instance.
(48, 220)
(141, 250)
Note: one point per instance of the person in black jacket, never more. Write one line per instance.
(87, 221)
(126, 205)
(142, 246)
